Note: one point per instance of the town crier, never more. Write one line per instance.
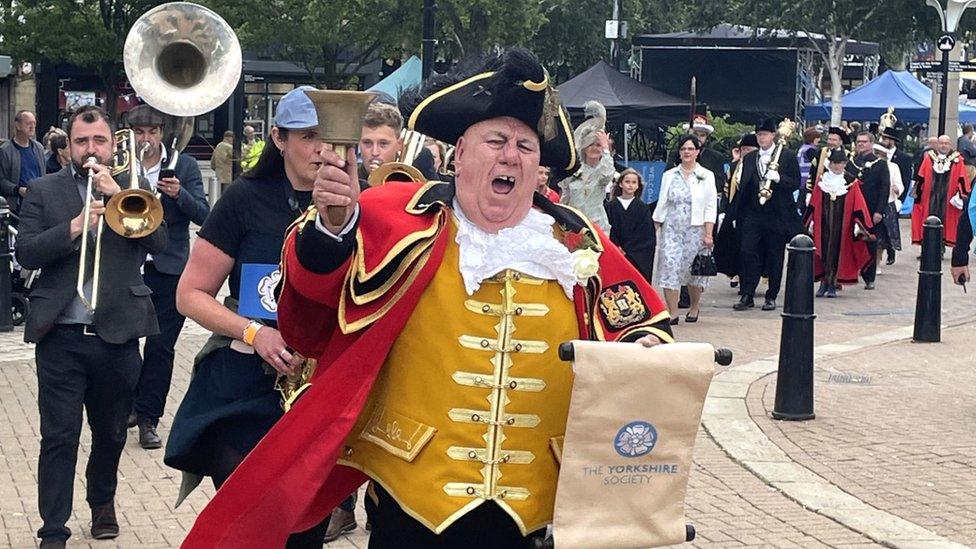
(435, 312)
(940, 188)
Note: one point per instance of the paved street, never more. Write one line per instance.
(889, 460)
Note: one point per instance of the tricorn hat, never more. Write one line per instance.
(840, 132)
(894, 132)
(766, 125)
(749, 140)
(512, 84)
(837, 155)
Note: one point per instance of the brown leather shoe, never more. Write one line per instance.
(104, 525)
(342, 522)
(148, 438)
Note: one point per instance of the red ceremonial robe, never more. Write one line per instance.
(349, 319)
(854, 254)
(956, 184)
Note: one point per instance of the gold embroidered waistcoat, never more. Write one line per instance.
(471, 403)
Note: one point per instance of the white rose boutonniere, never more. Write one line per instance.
(586, 263)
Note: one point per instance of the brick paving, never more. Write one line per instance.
(903, 442)
(729, 506)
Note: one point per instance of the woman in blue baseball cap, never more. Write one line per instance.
(231, 402)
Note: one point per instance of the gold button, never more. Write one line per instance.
(501, 495)
(518, 347)
(472, 454)
(506, 458)
(510, 421)
(479, 380)
(470, 491)
(486, 309)
(513, 385)
(518, 310)
(348, 451)
(485, 343)
(475, 417)
(517, 276)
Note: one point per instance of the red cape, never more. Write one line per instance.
(290, 481)
(854, 254)
(920, 211)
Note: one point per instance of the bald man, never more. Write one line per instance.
(940, 189)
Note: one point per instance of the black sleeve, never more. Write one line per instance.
(225, 226)
(789, 170)
(964, 237)
(320, 253)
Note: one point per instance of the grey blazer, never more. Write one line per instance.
(10, 169)
(125, 310)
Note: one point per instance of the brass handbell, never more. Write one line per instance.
(340, 115)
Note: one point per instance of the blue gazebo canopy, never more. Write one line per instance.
(407, 76)
(899, 89)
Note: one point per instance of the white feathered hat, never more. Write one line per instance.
(595, 115)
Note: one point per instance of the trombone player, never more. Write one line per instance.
(86, 359)
(183, 199)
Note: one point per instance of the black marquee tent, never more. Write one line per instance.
(626, 100)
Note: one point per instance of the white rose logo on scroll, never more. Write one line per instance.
(266, 288)
(635, 439)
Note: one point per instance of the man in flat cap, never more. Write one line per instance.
(435, 312)
(181, 193)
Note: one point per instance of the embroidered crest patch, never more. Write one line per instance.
(621, 305)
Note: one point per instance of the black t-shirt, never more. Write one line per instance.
(248, 222)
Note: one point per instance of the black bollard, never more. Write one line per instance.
(6, 307)
(794, 382)
(928, 301)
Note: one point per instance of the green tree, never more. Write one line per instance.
(87, 34)
(895, 24)
(330, 39)
(572, 36)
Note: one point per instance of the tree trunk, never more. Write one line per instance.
(835, 66)
(330, 56)
(111, 79)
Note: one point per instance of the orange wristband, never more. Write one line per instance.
(251, 331)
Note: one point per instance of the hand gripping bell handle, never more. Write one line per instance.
(337, 214)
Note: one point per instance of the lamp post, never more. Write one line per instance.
(428, 43)
(949, 17)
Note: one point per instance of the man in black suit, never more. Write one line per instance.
(764, 229)
(85, 359)
(183, 201)
(875, 186)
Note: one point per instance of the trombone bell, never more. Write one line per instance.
(134, 213)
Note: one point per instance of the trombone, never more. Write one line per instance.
(125, 142)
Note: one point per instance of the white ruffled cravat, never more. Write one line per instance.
(528, 247)
(833, 184)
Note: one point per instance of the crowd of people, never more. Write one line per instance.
(489, 224)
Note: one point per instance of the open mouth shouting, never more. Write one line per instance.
(503, 184)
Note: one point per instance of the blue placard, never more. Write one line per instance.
(651, 173)
(257, 300)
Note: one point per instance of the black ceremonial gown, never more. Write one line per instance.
(633, 230)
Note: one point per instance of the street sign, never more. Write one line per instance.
(936, 66)
(946, 42)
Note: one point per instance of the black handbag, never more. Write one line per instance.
(704, 264)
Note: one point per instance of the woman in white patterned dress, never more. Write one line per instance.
(685, 215)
